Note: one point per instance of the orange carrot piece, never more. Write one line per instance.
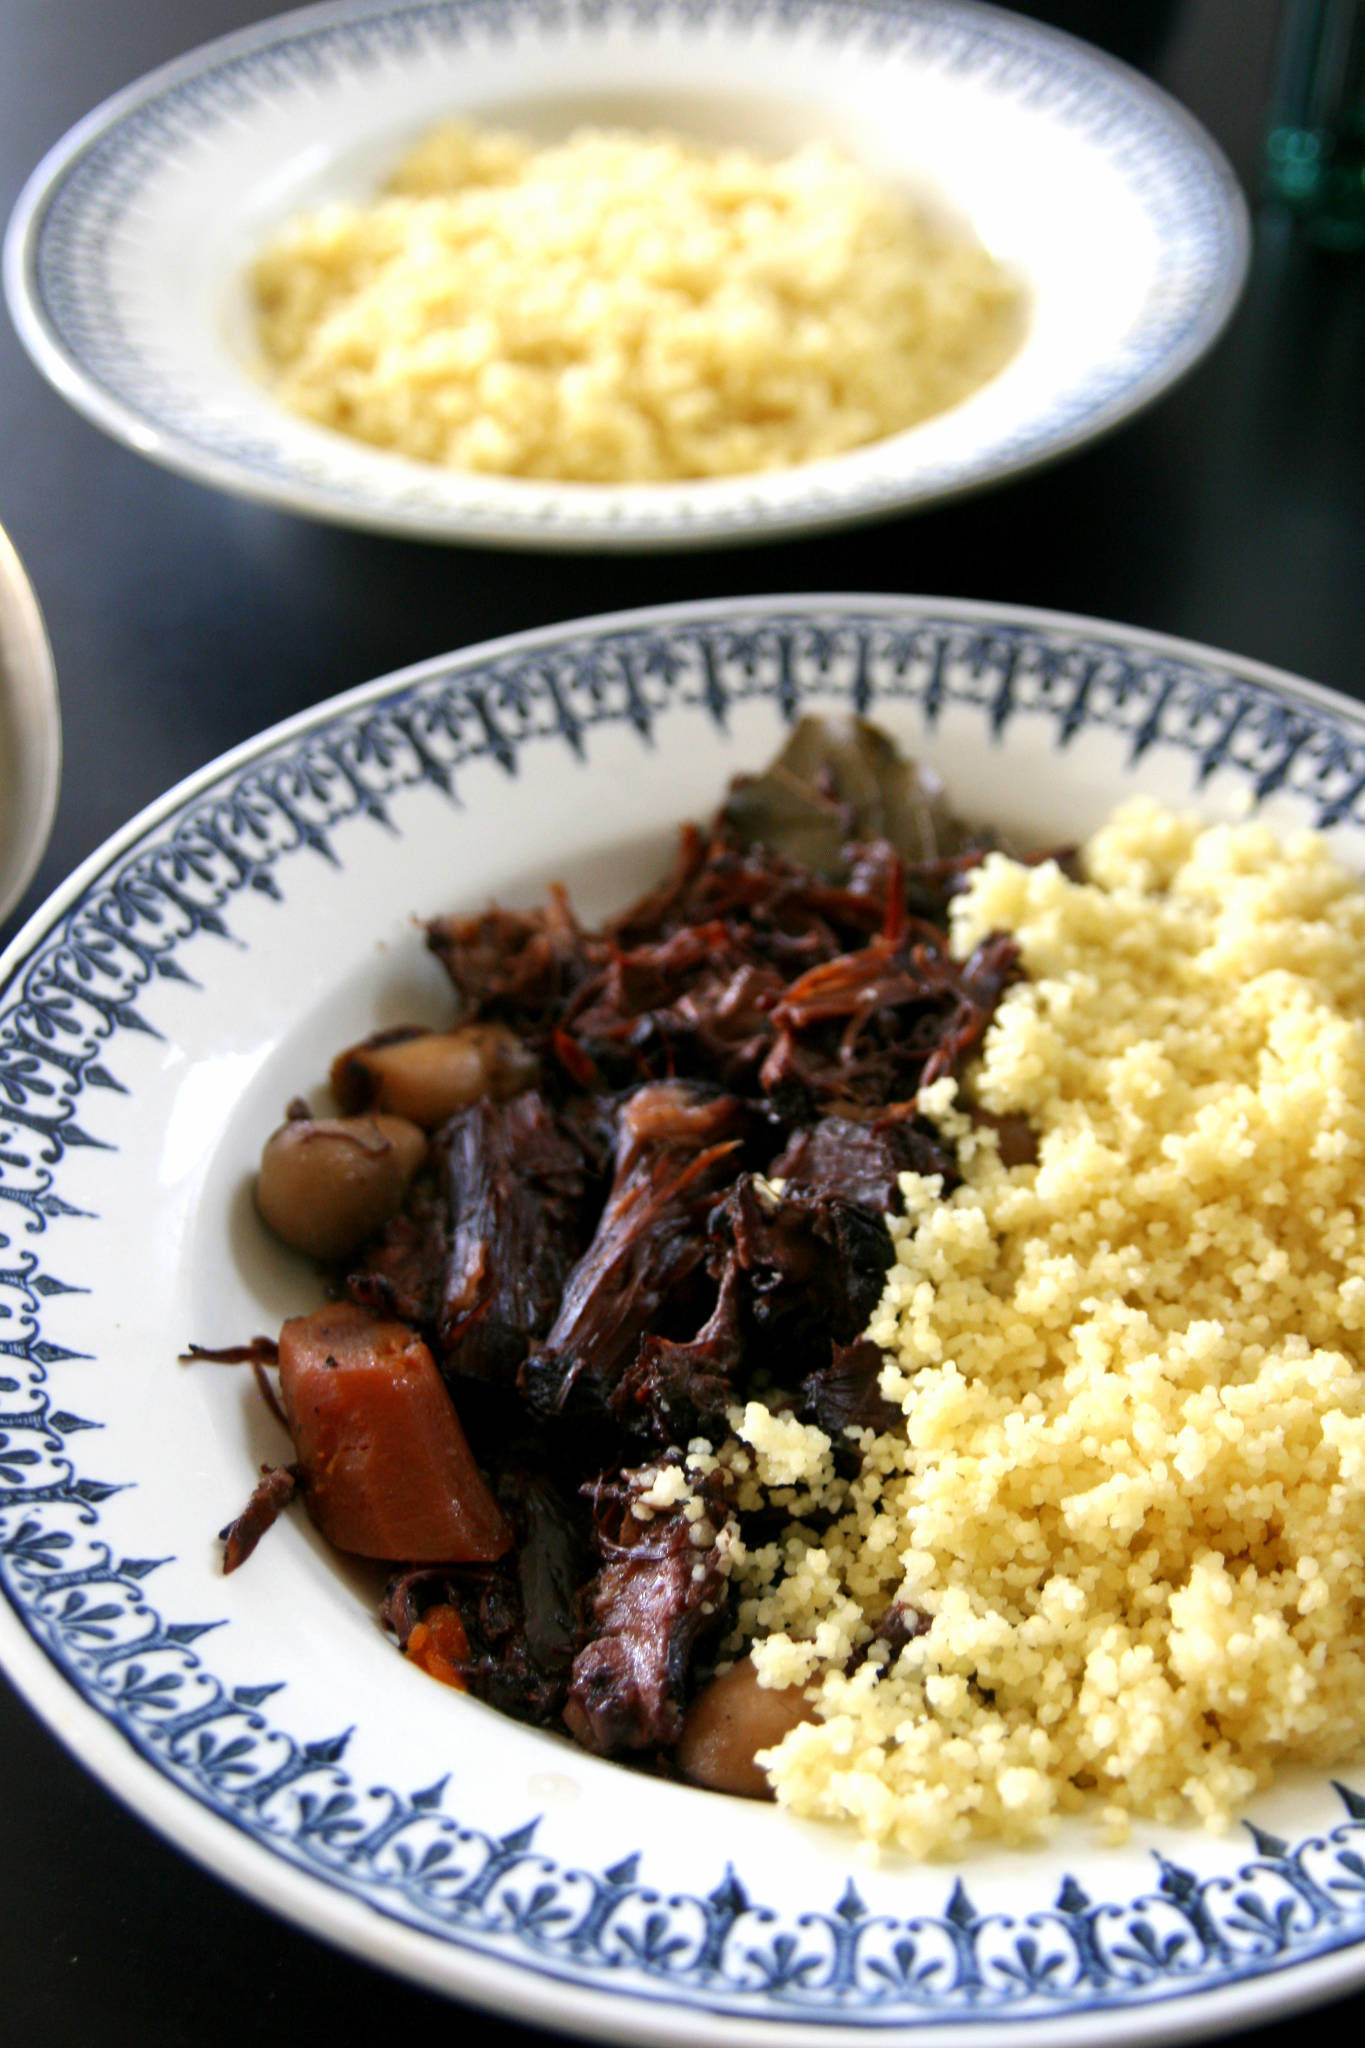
(439, 1645)
(385, 1466)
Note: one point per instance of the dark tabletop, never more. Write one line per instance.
(1233, 512)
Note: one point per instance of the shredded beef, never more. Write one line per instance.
(695, 1002)
(660, 1589)
(686, 1208)
(844, 1394)
(516, 1192)
(674, 1154)
(676, 1390)
(898, 1625)
(517, 966)
(399, 1272)
(811, 1268)
(874, 1026)
(863, 1161)
(271, 1495)
(1016, 1136)
(518, 1614)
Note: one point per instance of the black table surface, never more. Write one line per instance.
(183, 621)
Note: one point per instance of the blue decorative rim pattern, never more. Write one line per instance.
(84, 980)
(70, 315)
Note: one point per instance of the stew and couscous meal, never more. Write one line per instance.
(879, 1323)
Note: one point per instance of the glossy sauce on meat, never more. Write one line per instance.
(669, 1197)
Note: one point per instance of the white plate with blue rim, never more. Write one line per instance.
(127, 256)
(190, 978)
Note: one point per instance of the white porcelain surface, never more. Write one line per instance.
(127, 253)
(30, 731)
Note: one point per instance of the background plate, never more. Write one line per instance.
(126, 254)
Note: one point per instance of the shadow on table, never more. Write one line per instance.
(1136, 30)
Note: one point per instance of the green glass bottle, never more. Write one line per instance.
(1315, 147)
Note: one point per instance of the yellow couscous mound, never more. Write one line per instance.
(1130, 1492)
(626, 308)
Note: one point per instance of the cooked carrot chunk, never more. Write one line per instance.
(439, 1644)
(386, 1470)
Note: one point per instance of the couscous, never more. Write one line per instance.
(626, 308)
(1128, 1499)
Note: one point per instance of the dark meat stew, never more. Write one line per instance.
(642, 1178)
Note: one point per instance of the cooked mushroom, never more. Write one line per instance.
(427, 1075)
(327, 1183)
(729, 1722)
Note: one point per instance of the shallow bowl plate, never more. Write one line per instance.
(127, 254)
(193, 976)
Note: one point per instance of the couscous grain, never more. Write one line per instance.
(626, 308)
(1129, 1496)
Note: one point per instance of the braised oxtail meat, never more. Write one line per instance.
(696, 970)
(811, 1269)
(409, 1594)
(985, 976)
(785, 914)
(720, 1027)
(516, 1191)
(896, 1626)
(270, 1496)
(643, 1177)
(553, 1562)
(871, 1027)
(515, 1644)
(519, 966)
(696, 1003)
(662, 909)
(674, 1391)
(675, 1153)
(1015, 1135)
(862, 1160)
(845, 1395)
(660, 1590)
(931, 885)
(497, 1665)
(401, 1271)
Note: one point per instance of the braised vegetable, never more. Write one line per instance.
(731, 1719)
(327, 1183)
(427, 1075)
(439, 1644)
(839, 781)
(383, 1461)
